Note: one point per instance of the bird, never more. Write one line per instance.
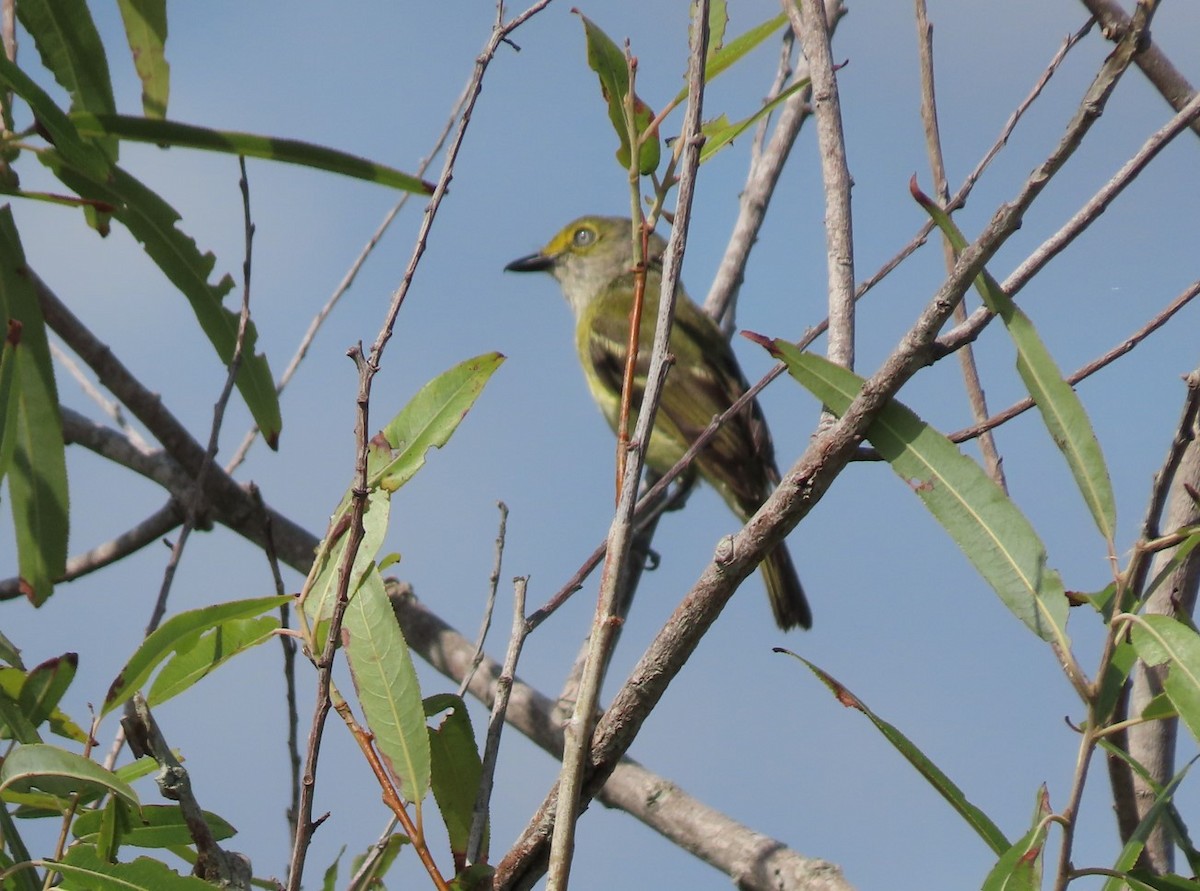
(592, 261)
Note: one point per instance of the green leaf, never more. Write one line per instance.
(81, 153)
(1144, 880)
(70, 47)
(37, 479)
(42, 690)
(152, 222)
(14, 723)
(287, 151)
(59, 772)
(386, 681)
(718, 21)
(370, 878)
(1020, 867)
(322, 592)
(1162, 640)
(331, 872)
(1161, 808)
(720, 133)
(83, 870)
(723, 57)
(431, 417)
(146, 32)
(1061, 409)
(10, 369)
(178, 634)
(213, 649)
(974, 817)
(606, 59)
(984, 522)
(456, 769)
(159, 826)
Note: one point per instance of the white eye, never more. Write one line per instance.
(583, 236)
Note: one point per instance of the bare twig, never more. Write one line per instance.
(579, 728)
(1078, 223)
(937, 163)
(108, 406)
(367, 367)
(810, 25)
(490, 603)
(491, 749)
(1159, 70)
(229, 870)
(193, 503)
(755, 861)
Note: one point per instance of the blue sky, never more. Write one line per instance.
(900, 616)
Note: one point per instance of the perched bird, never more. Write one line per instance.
(592, 259)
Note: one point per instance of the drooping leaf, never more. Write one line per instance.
(456, 769)
(974, 817)
(71, 49)
(321, 598)
(386, 682)
(287, 151)
(1061, 409)
(180, 633)
(37, 478)
(606, 59)
(60, 773)
(1161, 808)
(146, 32)
(984, 522)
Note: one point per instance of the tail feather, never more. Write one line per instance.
(784, 590)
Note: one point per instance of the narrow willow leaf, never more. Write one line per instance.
(721, 133)
(60, 773)
(1020, 867)
(37, 479)
(158, 826)
(718, 21)
(152, 221)
(71, 49)
(1160, 809)
(432, 416)
(456, 769)
(386, 682)
(10, 369)
(272, 148)
(723, 58)
(606, 59)
(177, 634)
(146, 32)
(974, 817)
(1061, 409)
(81, 153)
(82, 869)
(984, 522)
(1162, 640)
(22, 879)
(213, 649)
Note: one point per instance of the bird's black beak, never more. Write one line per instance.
(532, 263)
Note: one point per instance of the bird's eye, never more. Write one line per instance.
(583, 236)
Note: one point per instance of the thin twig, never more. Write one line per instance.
(367, 367)
(810, 25)
(490, 604)
(933, 147)
(491, 748)
(194, 500)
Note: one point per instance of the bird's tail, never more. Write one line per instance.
(784, 590)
